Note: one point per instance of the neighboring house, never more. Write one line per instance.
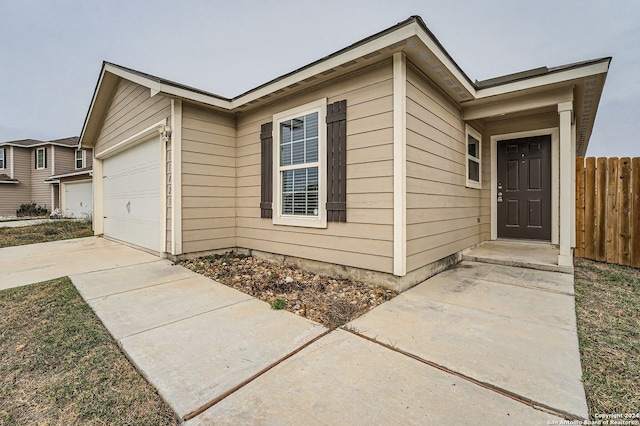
(415, 164)
(52, 174)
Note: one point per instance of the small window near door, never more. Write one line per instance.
(80, 158)
(474, 167)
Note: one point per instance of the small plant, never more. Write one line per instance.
(278, 304)
(31, 209)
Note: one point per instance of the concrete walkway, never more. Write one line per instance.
(478, 344)
(33, 263)
(25, 222)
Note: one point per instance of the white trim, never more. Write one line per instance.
(176, 176)
(53, 160)
(565, 258)
(399, 164)
(557, 77)
(320, 221)
(98, 196)
(555, 181)
(83, 159)
(156, 87)
(139, 137)
(53, 196)
(11, 168)
(44, 158)
(573, 183)
(470, 131)
(162, 146)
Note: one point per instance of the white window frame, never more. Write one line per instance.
(3, 159)
(84, 158)
(319, 221)
(470, 131)
(44, 158)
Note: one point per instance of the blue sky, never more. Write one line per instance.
(51, 51)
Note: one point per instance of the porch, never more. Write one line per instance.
(523, 254)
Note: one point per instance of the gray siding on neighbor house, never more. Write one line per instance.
(208, 179)
(366, 239)
(132, 110)
(442, 213)
(13, 195)
(41, 190)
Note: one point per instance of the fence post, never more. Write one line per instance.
(590, 209)
(601, 212)
(635, 212)
(580, 246)
(624, 212)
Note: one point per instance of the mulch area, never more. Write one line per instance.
(332, 302)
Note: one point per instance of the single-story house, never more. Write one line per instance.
(382, 161)
(52, 174)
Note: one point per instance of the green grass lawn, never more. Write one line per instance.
(59, 365)
(51, 231)
(608, 313)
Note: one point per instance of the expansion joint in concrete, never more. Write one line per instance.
(521, 399)
(236, 388)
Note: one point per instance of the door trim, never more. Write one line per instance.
(554, 132)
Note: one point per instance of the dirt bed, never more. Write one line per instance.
(330, 301)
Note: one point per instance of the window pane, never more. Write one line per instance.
(311, 122)
(297, 128)
(312, 150)
(300, 192)
(472, 145)
(285, 132)
(297, 153)
(285, 155)
(474, 171)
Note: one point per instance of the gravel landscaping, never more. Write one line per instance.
(330, 301)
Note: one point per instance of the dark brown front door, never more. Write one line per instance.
(524, 188)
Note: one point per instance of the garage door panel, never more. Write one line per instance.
(132, 208)
(78, 199)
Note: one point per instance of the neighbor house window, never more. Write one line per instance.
(80, 158)
(299, 175)
(474, 147)
(3, 160)
(41, 158)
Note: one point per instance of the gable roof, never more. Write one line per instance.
(412, 37)
(70, 142)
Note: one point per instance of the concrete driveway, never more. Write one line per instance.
(478, 344)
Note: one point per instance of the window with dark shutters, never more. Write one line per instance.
(266, 170)
(336, 164)
(337, 161)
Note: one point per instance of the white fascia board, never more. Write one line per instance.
(93, 102)
(442, 57)
(556, 77)
(156, 87)
(350, 55)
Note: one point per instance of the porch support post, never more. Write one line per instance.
(565, 110)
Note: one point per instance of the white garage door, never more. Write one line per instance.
(132, 195)
(78, 198)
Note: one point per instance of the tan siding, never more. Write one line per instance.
(366, 240)
(208, 179)
(442, 214)
(65, 160)
(132, 110)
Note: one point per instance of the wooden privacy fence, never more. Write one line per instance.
(608, 210)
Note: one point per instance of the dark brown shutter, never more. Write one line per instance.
(266, 170)
(35, 157)
(337, 161)
(45, 158)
